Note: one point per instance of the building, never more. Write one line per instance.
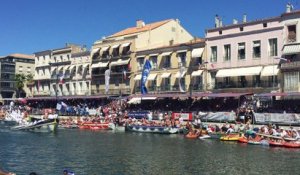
(117, 53)
(10, 66)
(243, 57)
(290, 60)
(42, 74)
(174, 69)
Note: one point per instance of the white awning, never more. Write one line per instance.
(256, 44)
(291, 49)
(197, 73)
(138, 77)
(60, 68)
(115, 46)
(154, 54)
(125, 44)
(119, 62)
(247, 71)
(104, 48)
(180, 51)
(137, 100)
(53, 69)
(66, 68)
(269, 71)
(85, 65)
(165, 75)
(166, 54)
(241, 46)
(141, 56)
(72, 67)
(151, 77)
(95, 50)
(178, 74)
(196, 53)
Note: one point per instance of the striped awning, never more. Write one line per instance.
(291, 49)
(165, 75)
(196, 53)
(119, 62)
(138, 77)
(151, 77)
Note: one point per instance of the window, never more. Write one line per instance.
(182, 58)
(220, 32)
(273, 47)
(227, 81)
(227, 52)
(153, 62)
(115, 52)
(256, 49)
(68, 57)
(126, 50)
(241, 51)
(291, 81)
(241, 29)
(167, 62)
(213, 57)
(61, 58)
(265, 25)
(140, 62)
(291, 33)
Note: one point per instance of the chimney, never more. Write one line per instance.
(244, 18)
(289, 8)
(217, 21)
(234, 21)
(140, 23)
(220, 22)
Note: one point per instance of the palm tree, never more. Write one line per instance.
(20, 80)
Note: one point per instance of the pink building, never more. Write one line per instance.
(243, 56)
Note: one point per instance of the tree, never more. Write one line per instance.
(20, 80)
(29, 78)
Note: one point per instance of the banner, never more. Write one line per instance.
(184, 115)
(107, 77)
(219, 116)
(146, 71)
(181, 75)
(288, 118)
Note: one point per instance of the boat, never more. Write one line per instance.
(243, 140)
(42, 125)
(205, 136)
(231, 137)
(192, 135)
(275, 143)
(118, 128)
(151, 129)
(94, 125)
(291, 144)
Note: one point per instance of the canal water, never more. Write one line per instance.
(106, 152)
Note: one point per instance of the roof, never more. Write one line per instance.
(242, 24)
(147, 27)
(291, 13)
(19, 55)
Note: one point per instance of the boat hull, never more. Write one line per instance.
(45, 126)
(151, 129)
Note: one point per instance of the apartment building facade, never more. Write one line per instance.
(243, 57)
(174, 69)
(290, 60)
(117, 53)
(10, 66)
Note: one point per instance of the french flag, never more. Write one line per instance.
(61, 79)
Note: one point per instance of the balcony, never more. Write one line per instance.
(247, 84)
(290, 65)
(116, 91)
(197, 87)
(165, 88)
(291, 37)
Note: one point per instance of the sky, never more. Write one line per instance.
(28, 26)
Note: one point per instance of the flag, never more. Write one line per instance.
(181, 75)
(64, 104)
(58, 106)
(107, 77)
(61, 79)
(212, 66)
(124, 74)
(146, 71)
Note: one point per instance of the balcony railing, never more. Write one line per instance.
(291, 37)
(117, 91)
(290, 65)
(247, 84)
(197, 87)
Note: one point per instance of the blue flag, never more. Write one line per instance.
(146, 71)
